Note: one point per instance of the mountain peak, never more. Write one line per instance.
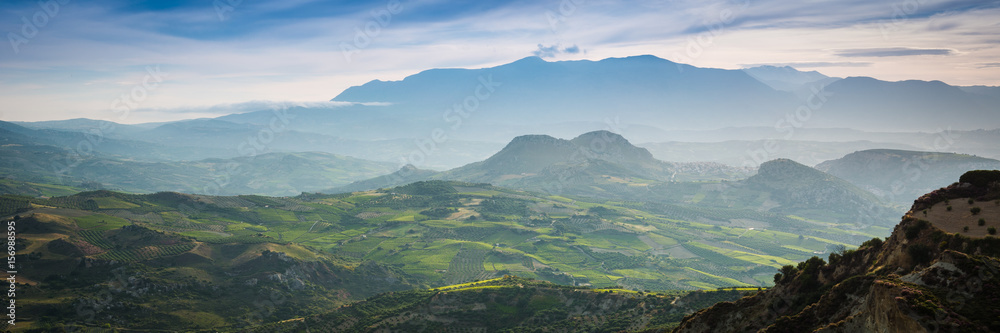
(603, 134)
(530, 60)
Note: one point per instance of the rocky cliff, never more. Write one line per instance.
(938, 272)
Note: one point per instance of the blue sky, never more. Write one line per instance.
(77, 59)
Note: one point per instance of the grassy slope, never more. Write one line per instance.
(563, 240)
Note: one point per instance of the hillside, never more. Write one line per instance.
(512, 304)
(922, 278)
(266, 173)
(529, 155)
(798, 187)
(900, 175)
(602, 165)
(80, 268)
(345, 247)
(598, 164)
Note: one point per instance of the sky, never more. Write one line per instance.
(150, 61)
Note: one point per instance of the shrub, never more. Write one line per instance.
(914, 229)
(966, 229)
(948, 209)
(982, 222)
(874, 242)
(920, 253)
(975, 210)
(992, 230)
(981, 178)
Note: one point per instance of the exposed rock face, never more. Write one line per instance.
(920, 279)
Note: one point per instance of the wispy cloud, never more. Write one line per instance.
(893, 52)
(553, 50)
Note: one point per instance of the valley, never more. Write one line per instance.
(628, 194)
(425, 234)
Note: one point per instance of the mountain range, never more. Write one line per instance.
(900, 175)
(445, 118)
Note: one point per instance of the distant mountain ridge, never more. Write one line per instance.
(896, 175)
(797, 186)
(545, 163)
(73, 158)
(645, 98)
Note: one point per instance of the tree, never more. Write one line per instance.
(975, 210)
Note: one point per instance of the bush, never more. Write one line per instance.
(975, 210)
(972, 201)
(982, 222)
(980, 178)
(874, 242)
(913, 230)
(948, 209)
(920, 253)
(966, 229)
(992, 230)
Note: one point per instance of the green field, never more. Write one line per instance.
(487, 232)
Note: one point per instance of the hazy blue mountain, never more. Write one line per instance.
(444, 118)
(534, 160)
(808, 145)
(107, 128)
(534, 91)
(653, 91)
(901, 175)
(405, 175)
(47, 156)
(785, 78)
(599, 163)
(753, 152)
(983, 90)
(196, 139)
(97, 141)
(278, 174)
(867, 103)
(798, 187)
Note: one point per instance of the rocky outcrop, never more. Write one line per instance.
(920, 279)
